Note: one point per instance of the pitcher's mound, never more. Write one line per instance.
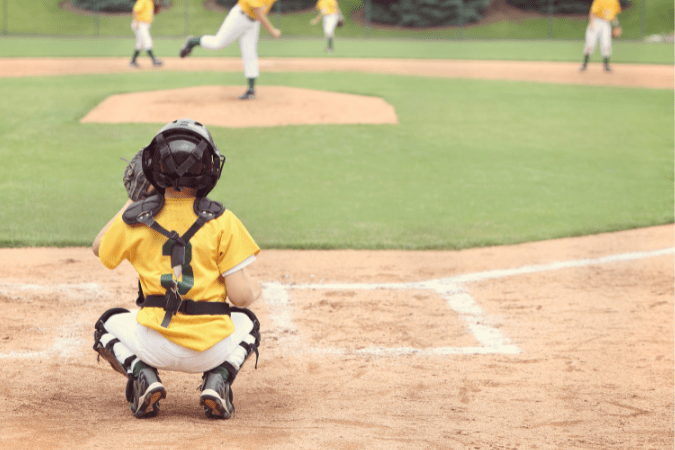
(220, 106)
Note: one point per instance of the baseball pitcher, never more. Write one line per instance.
(242, 23)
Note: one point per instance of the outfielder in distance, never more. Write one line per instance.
(191, 256)
(600, 20)
(142, 14)
(330, 13)
(241, 23)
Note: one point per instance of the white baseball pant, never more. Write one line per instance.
(142, 32)
(238, 26)
(159, 352)
(329, 23)
(602, 30)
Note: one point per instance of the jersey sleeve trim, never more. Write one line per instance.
(241, 265)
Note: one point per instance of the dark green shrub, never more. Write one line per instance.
(427, 13)
(105, 5)
(559, 6)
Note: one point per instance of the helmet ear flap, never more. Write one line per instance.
(148, 161)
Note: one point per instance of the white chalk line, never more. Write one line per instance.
(277, 296)
(492, 340)
(66, 341)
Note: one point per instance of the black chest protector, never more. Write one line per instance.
(143, 212)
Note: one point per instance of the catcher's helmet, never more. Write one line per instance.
(183, 155)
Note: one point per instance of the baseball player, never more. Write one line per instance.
(143, 14)
(191, 255)
(330, 12)
(242, 23)
(600, 20)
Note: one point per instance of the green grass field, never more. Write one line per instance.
(472, 163)
(516, 50)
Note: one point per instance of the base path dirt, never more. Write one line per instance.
(564, 344)
(637, 75)
(561, 344)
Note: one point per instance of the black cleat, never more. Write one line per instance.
(216, 397)
(248, 95)
(147, 392)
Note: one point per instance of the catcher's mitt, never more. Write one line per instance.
(158, 7)
(341, 21)
(135, 183)
(616, 32)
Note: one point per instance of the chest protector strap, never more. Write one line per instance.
(143, 212)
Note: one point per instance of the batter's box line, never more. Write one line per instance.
(491, 339)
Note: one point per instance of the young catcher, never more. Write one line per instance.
(191, 256)
(242, 24)
(143, 13)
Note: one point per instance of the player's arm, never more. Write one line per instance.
(262, 17)
(96, 246)
(242, 290)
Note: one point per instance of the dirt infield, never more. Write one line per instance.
(563, 344)
(547, 345)
(630, 75)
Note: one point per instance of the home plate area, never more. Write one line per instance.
(428, 318)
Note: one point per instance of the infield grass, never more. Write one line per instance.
(472, 163)
(515, 50)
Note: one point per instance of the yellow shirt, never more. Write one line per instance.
(217, 247)
(606, 9)
(327, 6)
(248, 5)
(145, 10)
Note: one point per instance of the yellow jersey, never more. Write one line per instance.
(327, 6)
(248, 5)
(606, 9)
(220, 245)
(145, 10)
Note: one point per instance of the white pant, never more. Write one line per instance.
(238, 26)
(159, 352)
(602, 30)
(329, 23)
(143, 39)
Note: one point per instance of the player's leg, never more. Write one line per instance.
(216, 396)
(144, 31)
(248, 44)
(137, 47)
(329, 23)
(235, 24)
(606, 44)
(144, 388)
(590, 44)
